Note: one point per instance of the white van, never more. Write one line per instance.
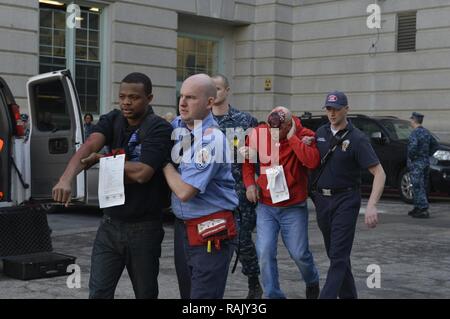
(42, 151)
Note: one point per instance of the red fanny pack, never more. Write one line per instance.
(211, 228)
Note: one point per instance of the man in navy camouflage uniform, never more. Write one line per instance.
(230, 118)
(421, 145)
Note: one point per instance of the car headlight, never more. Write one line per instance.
(442, 155)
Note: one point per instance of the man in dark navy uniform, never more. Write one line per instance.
(421, 145)
(227, 117)
(336, 192)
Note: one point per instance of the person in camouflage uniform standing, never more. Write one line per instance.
(421, 145)
(230, 118)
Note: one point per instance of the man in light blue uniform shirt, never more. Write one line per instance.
(210, 179)
(201, 185)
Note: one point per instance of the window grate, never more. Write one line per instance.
(196, 55)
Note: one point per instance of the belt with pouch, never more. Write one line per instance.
(212, 228)
(334, 191)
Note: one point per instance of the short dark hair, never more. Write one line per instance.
(223, 78)
(137, 77)
(88, 114)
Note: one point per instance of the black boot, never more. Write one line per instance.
(313, 291)
(422, 213)
(254, 288)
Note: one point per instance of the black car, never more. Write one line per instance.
(389, 138)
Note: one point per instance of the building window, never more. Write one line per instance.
(87, 63)
(53, 55)
(196, 55)
(52, 39)
(406, 31)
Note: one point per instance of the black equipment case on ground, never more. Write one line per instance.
(23, 230)
(26, 245)
(40, 265)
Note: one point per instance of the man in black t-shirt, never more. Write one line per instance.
(130, 235)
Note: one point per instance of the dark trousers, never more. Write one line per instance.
(419, 180)
(336, 217)
(136, 246)
(201, 275)
(246, 222)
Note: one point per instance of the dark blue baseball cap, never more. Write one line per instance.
(417, 116)
(336, 99)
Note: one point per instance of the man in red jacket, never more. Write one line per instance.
(285, 151)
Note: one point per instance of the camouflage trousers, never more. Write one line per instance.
(247, 223)
(419, 181)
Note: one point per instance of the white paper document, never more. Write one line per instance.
(276, 183)
(111, 191)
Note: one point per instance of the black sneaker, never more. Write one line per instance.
(313, 291)
(254, 288)
(422, 213)
(413, 211)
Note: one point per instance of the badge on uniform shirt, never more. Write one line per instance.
(321, 139)
(202, 158)
(345, 145)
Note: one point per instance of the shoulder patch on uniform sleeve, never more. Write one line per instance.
(208, 131)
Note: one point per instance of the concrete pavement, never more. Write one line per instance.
(413, 256)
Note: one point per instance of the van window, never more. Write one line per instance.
(52, 112)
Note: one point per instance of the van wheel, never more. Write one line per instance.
(405, 186)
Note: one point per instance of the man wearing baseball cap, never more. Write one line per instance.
(336, 100)
(344, 151)
(421, 145)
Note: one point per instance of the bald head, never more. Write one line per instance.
(197, 96)
(204, 83)
(284, 112)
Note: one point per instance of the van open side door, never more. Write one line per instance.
(56, 132)
(5, 144)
